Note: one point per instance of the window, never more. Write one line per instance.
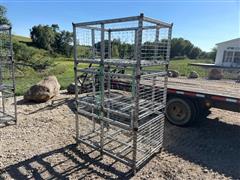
(227, 56)
(237, 57)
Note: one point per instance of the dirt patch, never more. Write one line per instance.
(42, 146)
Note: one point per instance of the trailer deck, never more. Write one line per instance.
(226, 88)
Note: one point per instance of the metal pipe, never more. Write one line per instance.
(108, 21)
(154, 21)
(76, 81)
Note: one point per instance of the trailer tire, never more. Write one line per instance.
(181, 111)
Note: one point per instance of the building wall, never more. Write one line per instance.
(233, 46)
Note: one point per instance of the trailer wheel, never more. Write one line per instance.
(180, 111)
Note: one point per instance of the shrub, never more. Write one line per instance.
(29, 56)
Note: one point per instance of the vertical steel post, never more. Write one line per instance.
(76, 82)
(136, 96)
(93, 43)
(13, 74)
(166, 66)
(93, 83)
(2, 72)
(108, 69)
(155, 58)
(102, 86)
(94, 96)
(109, 45)
(156, 43)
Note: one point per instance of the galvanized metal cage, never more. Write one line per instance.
(7, 79)
(121, 69)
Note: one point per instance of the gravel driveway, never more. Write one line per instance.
(41, 146)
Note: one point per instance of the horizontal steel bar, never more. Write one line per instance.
(106, 152)
(160, 23)
(105, 109)
(124, 62)
(154, 74)
(132, 28)
(141, 127)
(95, 71)
(94, 28)
(110, 121)
(108, 21)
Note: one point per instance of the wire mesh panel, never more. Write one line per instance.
(121, 66)
(7, 80)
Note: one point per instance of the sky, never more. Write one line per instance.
(205, 23)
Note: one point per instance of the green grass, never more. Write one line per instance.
(63, 70)
(21, 38)
(184, 69)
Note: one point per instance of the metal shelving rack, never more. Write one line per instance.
(124, 122)
(8, 109)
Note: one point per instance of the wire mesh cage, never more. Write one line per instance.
(7, 79)
(121, 69)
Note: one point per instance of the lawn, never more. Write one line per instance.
(184, 69)
(21, 38)
(63, 70)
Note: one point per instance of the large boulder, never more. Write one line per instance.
(193, 75)
(173, 73)
(43, 90)
(215, 74)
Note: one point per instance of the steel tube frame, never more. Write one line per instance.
(133, 109)
(8, 90)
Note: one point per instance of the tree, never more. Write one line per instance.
(180, 47)
(115, 53)
(55, 27)
(43, 36)
(51, 39)
(63, 41)
(188, 46)
(212, 54)
(184, 48)
(195, 53)
(3, 18)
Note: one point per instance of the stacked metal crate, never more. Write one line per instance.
(7, 80)
(121, 67)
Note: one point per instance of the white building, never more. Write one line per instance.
(228, 53)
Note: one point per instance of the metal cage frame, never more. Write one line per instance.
(7, 80)
(143, 127)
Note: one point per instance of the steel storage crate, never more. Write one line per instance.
(125, 122)
(8, 112)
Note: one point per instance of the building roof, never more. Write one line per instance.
(232, 40)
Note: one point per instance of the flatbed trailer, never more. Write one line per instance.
(190, 99)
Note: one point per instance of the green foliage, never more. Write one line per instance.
(32, 57)
(63, 42)
(43, 37)
(115, 52)
(84, 51)
(22, 52)
(213, 53)
(3, 18)
(51, 39)
(182, 47)
(195, 53)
